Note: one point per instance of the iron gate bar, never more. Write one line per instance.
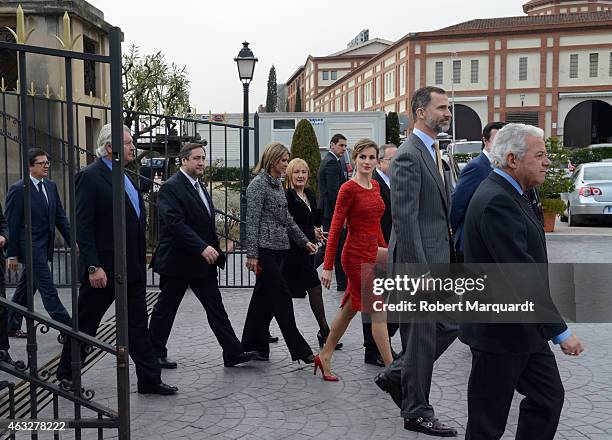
(31, 347)
(123, 373)
(60, 53)
(62, 328)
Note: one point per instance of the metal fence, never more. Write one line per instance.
(158, 139)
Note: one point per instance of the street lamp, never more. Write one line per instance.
(452, 69)
(246, 66)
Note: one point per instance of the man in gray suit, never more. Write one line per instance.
(420, 201)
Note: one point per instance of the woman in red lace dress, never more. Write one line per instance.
(360, 205)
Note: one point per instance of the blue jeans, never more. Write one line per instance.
(43, 282)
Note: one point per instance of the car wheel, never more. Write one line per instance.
(571, 218)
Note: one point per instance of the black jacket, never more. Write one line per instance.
(46, 216)
(94, 228)
(501, 227)
(386, 221)
(331, 176)
(185, 230)
(4, 233)
(305, 218)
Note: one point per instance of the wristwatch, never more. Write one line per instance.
(91, 270)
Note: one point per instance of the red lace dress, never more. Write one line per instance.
(362, 209)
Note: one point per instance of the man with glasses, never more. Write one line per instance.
(188, 255)
(47, 214)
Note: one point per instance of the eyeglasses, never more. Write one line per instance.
(44, 164)
(387, 159)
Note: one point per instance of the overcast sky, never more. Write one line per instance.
(207, 35)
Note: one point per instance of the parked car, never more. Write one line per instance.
(592, 196)
(598, 146)
(464, 151)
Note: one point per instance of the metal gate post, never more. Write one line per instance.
(123, 378)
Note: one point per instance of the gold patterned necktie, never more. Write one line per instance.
(439, 160)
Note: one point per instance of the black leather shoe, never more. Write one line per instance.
(429, 426)
(322, 340)
(261, 357)
(374, 360)
(272, 339)
(161, 389)
(394, 390)
(243, 357)
(166, 363)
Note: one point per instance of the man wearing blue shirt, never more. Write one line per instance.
(502, 228)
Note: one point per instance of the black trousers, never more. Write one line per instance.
(206, 290)
(422, 345)
(320, 256)
(272, 299)
(4, 341)
(93, 304)
(494, 378)
(368, 339)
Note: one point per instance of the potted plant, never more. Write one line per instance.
(557, 182)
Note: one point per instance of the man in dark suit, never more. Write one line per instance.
(94, 214)
(187, 255)
(332, 174)
(500, 227)
(420, 193)
(471, 176)
(381, 175)
(47, 214)
(4, 341)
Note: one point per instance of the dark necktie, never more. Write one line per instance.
(42, 194)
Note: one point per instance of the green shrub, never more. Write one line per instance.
(393, 129)
(305, 146)
(557, 180)
(553, 205)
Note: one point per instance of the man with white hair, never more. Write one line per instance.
(94, 215)
(501, 228)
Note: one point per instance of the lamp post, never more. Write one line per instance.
(246, 66)
(452, 69)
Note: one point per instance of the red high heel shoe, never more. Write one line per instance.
(326, 377)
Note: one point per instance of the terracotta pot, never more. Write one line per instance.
(549, 221)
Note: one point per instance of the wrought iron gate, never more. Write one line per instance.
(41, 380)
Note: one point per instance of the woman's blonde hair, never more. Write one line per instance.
(295, 163)
(361, 145)
(273, 153)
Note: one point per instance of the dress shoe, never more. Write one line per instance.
(243, 357)
(261, 357)
(272, 339)
(374, 360)
(166, 363)
(394, 390)
(17, 334)
(429, 426)
(322, 340)
(157, 388)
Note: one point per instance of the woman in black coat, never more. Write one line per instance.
(299, 270)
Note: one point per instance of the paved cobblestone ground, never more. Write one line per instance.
(281, 399)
